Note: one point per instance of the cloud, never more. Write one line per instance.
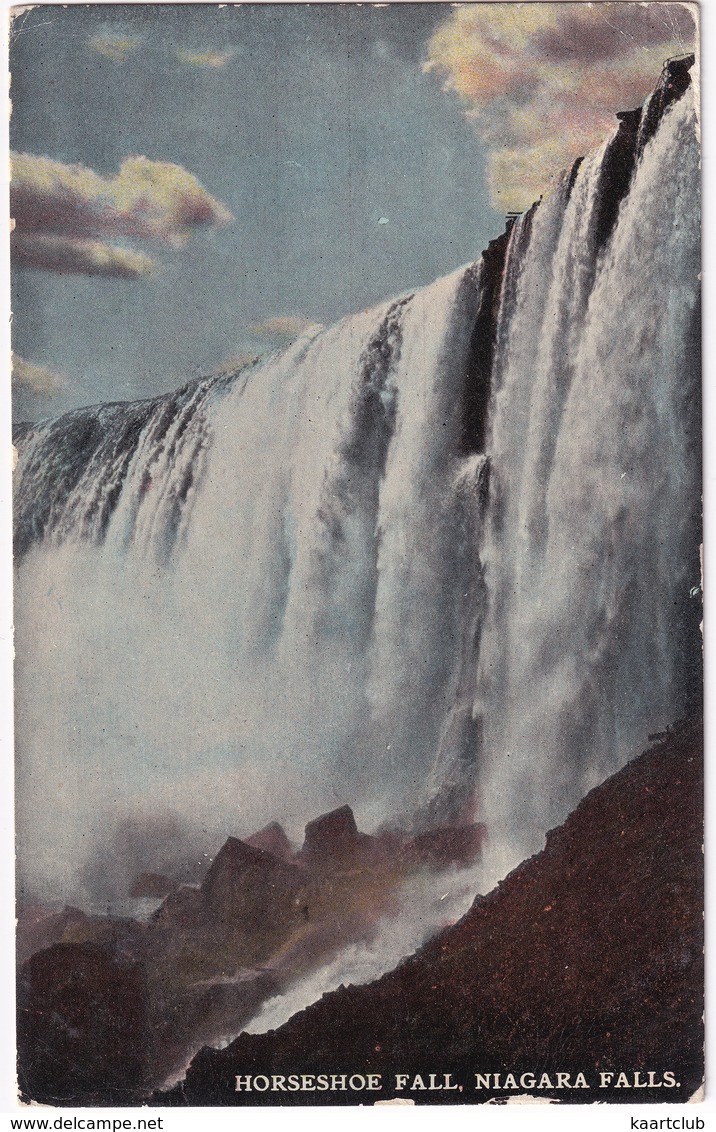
(61, 210)
(542, 82)
(579, 36)
(35, 380)
(150, 199)
(114, 45)
(119, 46)
(71, 255)
(215, 59)
(285, 326)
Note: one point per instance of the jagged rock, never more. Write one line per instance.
(333, 840)
(636, 127)
(330, 833)
(587, 958)
(181, 908)
(476, 392)
(244, 880)
(674, 82)
(82, 1026)
(39, 929)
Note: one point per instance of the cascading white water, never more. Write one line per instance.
(273, 593)
(595, 464)
(244, 603)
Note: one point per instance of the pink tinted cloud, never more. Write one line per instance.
(72, 255)
(610, 31)
(63, 213)
(542, 82)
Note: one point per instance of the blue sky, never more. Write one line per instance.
(315, 125)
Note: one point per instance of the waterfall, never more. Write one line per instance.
(240, 602)
(439, 552)
(591, 550)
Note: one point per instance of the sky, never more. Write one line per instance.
(194, 183)
(313, 126)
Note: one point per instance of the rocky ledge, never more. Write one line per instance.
(587, 959)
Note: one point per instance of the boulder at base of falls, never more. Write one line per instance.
(203, 963)
(242, 879)
(333, 840)
(587, 959)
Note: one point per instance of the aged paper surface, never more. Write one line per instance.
(356, 393)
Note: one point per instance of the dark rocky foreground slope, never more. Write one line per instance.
(586, 959)
(110, 1008)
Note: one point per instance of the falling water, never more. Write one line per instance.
(591, 552)
(240, 602)
(309, 583)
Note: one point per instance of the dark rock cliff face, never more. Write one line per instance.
(636, 128)
(476, 391)
(587, 958)
(616, 174)
(674, 82)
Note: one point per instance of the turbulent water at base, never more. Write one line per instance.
(439, 552)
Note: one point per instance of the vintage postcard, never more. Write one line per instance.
(357, 520)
